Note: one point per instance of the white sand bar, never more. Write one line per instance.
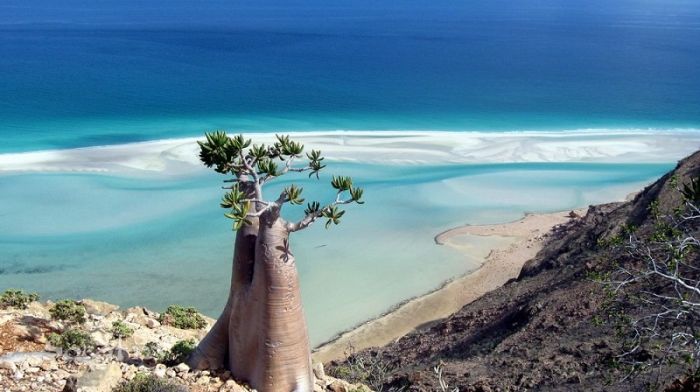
(178, 156)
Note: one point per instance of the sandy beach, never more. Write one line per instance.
(501, 265)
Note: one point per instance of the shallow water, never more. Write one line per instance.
(159, 240)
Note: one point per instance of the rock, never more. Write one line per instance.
(61, 374)
(18, 375)
(32, 370)
(152, 323)
(171, 373)
(204, 380)
(337, 386)
(8, 365)
(159, 370)
(182, 368)
(100, 338)
(48, 365)
(97, 307)
(137, 315)
(120, 354)
(318, 371)
(71, 385)
(102, 379)
(149, 362)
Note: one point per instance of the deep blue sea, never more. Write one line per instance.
(80, 73)
(88, 73)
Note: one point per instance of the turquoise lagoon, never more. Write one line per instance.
(157, 240)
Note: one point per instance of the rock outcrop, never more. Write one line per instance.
(28, 362)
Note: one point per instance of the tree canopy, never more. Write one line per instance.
(252, 166)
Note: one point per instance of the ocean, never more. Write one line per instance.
(80, 74)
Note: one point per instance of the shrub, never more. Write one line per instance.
(183, 318)
(148, 383)
(181, 350)
(68, 310)
(72, 339)
(177, 353)
(152, 350)
(121, 330)
(17, 299)
(654, 300)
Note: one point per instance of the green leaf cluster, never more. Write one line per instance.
(333, 214)
(182, 317)
(315, 164)
(293, 193)
(219, 150)
(69, 311)
(234, 200)
(17, 299)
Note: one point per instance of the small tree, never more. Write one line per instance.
(261, 335)
(663, 286)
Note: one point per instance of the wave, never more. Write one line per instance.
(180, 156)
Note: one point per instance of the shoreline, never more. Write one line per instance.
(501, 265)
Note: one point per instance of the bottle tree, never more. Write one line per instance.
(261, 335)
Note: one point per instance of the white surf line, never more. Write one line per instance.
(385, 147)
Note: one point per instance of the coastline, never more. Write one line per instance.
(502, 264)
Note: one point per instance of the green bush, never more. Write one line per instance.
(151, 350)
(72, 339)
(68, 310)
(181, 350)
(148, 383)
(17, 299)
(183, 318)
(121, 330)
(177, 353)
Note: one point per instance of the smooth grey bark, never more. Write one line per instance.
(261, 336)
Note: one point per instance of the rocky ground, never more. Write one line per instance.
(28, 362)
(547, 330)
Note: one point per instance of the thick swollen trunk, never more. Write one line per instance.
(213, 351)
(261, 336)
(282, 361)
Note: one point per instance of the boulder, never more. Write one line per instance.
(160, 370)
(318, 371)
(152, 323)
(120, 354)
(97, 307)
(338, 386)
(101, 338)
(103, 378)
(182, 368)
